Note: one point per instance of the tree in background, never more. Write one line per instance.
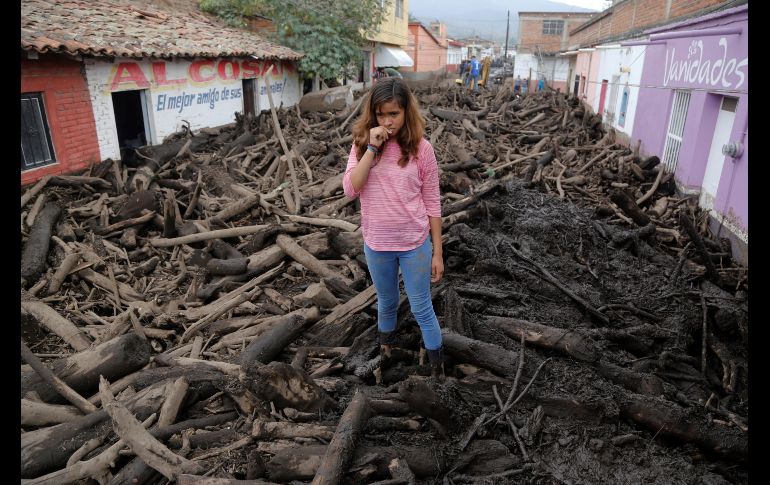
(330, 33)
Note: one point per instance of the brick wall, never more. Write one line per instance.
(531, 36)
(630, 15)
(68, 110)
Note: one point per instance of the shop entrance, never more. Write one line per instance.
(130, 121)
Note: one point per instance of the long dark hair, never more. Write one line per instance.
(409, 136)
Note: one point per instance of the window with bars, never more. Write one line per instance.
(553, 27)
(675, 129)
(36, 145)
(400, 9)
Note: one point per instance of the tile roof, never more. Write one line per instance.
(106, 29)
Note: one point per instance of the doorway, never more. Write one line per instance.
(249, 97)
(130, 121)
(602, 96)
(716, 160)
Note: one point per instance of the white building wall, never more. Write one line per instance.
(523, 64)
(555, 68)
(454, 55)
(627, 63)
(203, 92)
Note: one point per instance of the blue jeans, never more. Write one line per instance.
(415, 269)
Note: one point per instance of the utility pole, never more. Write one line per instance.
(507, 26)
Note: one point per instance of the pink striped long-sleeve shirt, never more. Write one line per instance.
(397, 201)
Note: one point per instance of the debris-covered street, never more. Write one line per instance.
(214, 290)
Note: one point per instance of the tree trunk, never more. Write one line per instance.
(113, 360)
(34, 256)
(481, 354)
(340, 451)
(565, 341)
(270, 344)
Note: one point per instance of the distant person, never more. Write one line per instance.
(517, 84)
(475, 70)
(540, 84)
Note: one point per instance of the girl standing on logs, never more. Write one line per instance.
(393, 169)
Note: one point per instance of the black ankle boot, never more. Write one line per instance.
(387, 342)
(436, 358)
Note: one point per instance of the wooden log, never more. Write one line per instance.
(34, 413)
(328, 329)
(301, 463)
(35, 251)
(271, 343)
(217, 266)
(173, 403)
(126, 292)
(455, 317)
(647, 384)
(286, 387)
(146, 447)
(316, 221)
(57, 384)
(484, 190)
(32, 192)
(458, 151)
(697, 240)
(476, 133)
(289, 153)
(316, 294)
(78, 180)
(95, 467)
(566, 341)
(295, 251)
(629, 207)
(424, 398)
(187, 479)
(136, 471)
(206, 236)
(668, 421)
(273, 430)
(69, 262)
(57, 324)
(481, 354)
(113, 359)
(48, 449)
(340, 451)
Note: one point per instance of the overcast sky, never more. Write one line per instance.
(595, 4)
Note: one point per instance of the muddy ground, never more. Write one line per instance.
(576, 421)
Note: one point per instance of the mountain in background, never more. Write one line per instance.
(484, 18)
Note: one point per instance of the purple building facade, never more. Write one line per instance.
(693, 114)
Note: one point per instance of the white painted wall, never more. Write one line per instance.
(454, 55)
(203, 92)
(556, 68)
(613, 62)
(522, 65)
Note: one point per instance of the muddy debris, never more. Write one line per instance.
(205, 310)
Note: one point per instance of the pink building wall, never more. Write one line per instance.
(428, 54)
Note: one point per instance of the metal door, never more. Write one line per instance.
(716, 160)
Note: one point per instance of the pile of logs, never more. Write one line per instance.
(204, 307)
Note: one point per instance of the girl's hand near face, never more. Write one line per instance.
(378, 135)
